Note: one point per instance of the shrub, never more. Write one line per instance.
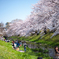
(34, 49)
(46, 51)
(40, 50)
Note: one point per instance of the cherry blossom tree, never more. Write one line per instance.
(45, 14)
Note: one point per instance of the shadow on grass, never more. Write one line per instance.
(1, 57)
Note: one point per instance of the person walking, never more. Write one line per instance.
(25, 46)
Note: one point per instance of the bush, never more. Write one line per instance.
(40, 50)
(39, 54)
(46, 55)
(46, 51)
(34, 49)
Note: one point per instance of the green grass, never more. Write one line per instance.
(7, 52)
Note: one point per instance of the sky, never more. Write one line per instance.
(15, 9)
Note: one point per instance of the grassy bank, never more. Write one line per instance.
(36, 38)
(7, 52)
